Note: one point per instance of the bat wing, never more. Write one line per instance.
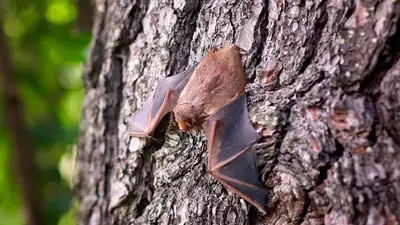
(232, 160)
(161, 101)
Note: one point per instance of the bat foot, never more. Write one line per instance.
(210, 171)
(264, 131)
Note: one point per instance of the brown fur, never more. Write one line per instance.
(218, 80)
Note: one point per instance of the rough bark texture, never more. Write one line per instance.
(324, 75)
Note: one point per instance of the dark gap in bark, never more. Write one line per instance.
(233, 27)
(107, 173)
(256, 218)
(94, 62)
(307, 204)
(133, 26)
(313, 41)
(113, 91)
(323, 173)
(117, 79)
(144, 202)
(372, 136)
(351, 10)
(336, 155)
(260, 44)
(181, 51)
(252, 216)
(320, 78)
(225, 191)
(333, 157)
(93, 66)
(284, 123)
(386, 60)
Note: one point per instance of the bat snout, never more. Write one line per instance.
(184, 126)
(184, 129)
(187, 126)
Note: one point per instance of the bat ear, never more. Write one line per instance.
(211, 51)
(242, 51)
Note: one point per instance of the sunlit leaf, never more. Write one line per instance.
(61, 12)
(14, 28)
(66, 166)
(70, 107)
(71, 77)
(30, 17)
(10, 202)
(34, 104)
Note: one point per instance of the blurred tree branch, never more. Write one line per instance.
(85, 17)
(23, 159)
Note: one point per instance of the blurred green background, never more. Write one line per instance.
(48, 41)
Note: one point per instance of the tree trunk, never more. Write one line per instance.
(324, 76)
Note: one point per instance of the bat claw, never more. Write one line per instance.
(264, 131)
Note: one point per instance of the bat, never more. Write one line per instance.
(211, 96)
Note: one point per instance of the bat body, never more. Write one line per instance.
(211, 96)
(217, 80)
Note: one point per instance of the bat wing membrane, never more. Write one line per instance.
(162, 101)
(232, 160)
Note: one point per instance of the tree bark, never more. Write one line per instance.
(323, 75)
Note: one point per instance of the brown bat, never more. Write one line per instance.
(211, 95)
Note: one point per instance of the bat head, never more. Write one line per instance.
(188, 117)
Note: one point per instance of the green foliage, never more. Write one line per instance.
(47, 52)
